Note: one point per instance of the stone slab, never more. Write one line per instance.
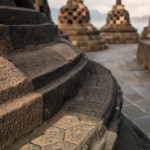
(13, 83)
(19, 36)
(20, 117)
(73, 129)
(22, 16)
(7, 3)
(133, 112)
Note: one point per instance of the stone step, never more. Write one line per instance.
(19, 117)
(22, 16)
(19, 36)
(13, 83)
(84, 119)
(94, 48)
(55, 62)
(26, 112)
(8, 2)
(57, 92)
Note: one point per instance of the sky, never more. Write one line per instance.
(135, 7)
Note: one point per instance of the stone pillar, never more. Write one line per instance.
(118, 28)
(74, 20)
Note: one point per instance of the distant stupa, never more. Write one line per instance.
(143, 53)
(146, 32)
(74, 20)
(118, 28)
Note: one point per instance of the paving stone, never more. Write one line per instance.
(132, 112)
(136, 97)
(61, 145)
(142, 90)
(142, 73)
(133, 65)
(144, 125)
(128, 91)
(52, 135)
(67, 122)
(145, 105)
(126, 102)
(30, 147)
(77, 133)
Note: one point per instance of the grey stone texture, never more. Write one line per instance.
(74, 21)
(143, 49)
(21, 27)
(44, 77)
(87, 121)
(135, 82)
(143, 53)
(118, 28)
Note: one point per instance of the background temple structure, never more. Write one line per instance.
(118, 28)
(51, 96)
(74, 20)
(42, 6)
(143, 54)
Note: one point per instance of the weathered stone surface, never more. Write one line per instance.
(7, 3)
(13, 83)
(74, 20)
(143, 55)
(27, 17)
(30, 147)
(73, 129)
(42, 6)
(118, 28)
(21, 27)
(17, 37)
(19, 117)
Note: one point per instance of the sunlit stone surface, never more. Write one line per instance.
(118, 28)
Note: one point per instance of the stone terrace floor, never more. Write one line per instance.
(133, 79)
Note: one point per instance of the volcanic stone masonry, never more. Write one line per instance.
(51, 96)
(118, 28)
(74, 20)
(42, 6)
(143, 54)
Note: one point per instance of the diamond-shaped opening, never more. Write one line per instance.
(70, 21)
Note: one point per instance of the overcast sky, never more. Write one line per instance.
(135, 7)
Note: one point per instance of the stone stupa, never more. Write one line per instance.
(118, 28)
(146, 32)
(74, 20)
(143, 54)
(51, 96)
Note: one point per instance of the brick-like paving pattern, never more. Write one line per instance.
(134, 80)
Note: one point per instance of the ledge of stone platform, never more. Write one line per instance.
(88, 121)
(143, 54)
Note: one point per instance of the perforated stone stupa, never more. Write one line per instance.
(74, 20)
(118, 28)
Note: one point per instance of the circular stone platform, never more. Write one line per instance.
(118, 28)
(74, 20)
(45, 79)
